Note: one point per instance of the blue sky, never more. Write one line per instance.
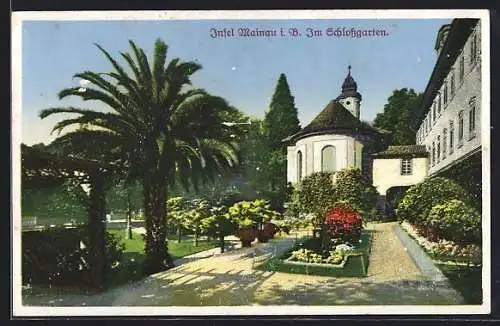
(242, 70)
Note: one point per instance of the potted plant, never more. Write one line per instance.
(251, 217)
(247, 236)
(268, 231)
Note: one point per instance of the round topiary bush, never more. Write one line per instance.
(455, 221)
(419, 199)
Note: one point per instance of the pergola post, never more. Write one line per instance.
(97, 229)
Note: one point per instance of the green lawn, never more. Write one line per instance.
(130, 268)
(466, 280)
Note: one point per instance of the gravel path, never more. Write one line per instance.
(229, 279)
(389, 260)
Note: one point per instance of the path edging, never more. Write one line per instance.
(438, 280)
(419, 257)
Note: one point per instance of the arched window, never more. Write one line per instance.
(328, 159)
(299, 166)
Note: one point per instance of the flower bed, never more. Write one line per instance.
(353, 263)
(445, 250)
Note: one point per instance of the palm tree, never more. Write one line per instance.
(159, 128)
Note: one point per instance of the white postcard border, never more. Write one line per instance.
(18, 310)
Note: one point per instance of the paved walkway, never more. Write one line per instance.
(229, 279)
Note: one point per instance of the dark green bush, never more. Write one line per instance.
(419, 199)
(455, 221)
(56, 257)
(351, 186)
(315, 195)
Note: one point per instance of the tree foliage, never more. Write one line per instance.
(455, 221)
(351, 186)
(159, 128)
(54, 205)
(252, 213)
(315, 195)
(419, 199)
(398, 115)
(281, 120)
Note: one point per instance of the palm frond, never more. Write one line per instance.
(160, 56)
(143, 65)
(127, 106)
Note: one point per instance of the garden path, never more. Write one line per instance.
(229, 279)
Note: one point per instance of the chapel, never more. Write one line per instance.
(336, 138)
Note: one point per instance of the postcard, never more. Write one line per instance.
(217, 163)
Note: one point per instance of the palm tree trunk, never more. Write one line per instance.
(155, 211)
(179, 233)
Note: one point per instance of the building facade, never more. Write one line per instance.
(335, 139)
(448, 123)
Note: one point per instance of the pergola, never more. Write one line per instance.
(40, 167)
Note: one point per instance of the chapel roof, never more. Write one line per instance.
(334, 118)
(403, 151)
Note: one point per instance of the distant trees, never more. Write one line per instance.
(398, 114)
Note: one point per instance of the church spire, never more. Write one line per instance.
(350, 98)
(349, 84)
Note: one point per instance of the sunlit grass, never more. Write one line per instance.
(130, 268)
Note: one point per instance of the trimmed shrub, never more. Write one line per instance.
(60, 256)
(454, 221)
(343, 224)
(351, 186)
(315, 195)
(419, 199)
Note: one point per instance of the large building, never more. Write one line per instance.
(449, 120)
(447, 124)
(335, 139)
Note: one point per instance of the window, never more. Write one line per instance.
(461, 70)
(299, 166)
(439, 106)
(445, 95)
(438, 150)
(425, 126)
(433, 153)
(460, 128)
(434, 113)
(406, 166)
(452, 84)
(472, 118)
(473, 49)
(328, 159)
(452, 136)
(445, 136)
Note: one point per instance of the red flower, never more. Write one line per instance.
(343, 221)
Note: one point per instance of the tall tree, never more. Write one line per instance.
(398, 114)
(281, 120)
(160, 129)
